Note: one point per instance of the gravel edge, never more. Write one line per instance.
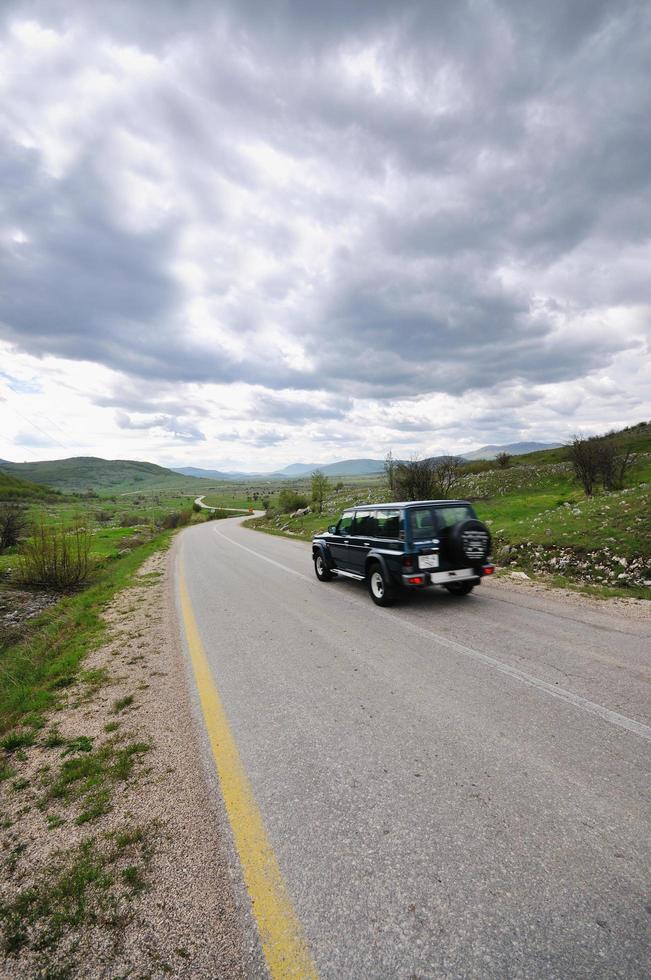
(188, 920)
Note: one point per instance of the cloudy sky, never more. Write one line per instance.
(251, 233)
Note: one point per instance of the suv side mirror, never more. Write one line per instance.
(332, 529)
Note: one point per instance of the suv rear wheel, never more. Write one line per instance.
(460, 588)
(321, 569)
(381, 589)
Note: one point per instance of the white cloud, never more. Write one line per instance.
(389, 227)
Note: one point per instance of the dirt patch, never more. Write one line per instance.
(18, 606)
(518, 581)
(113, 855)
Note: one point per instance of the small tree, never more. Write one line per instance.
(413, 480)
(613, 460)
(427, 479)
(320, 487)
(12, 523)
(584, 456)
(446, 474)
(390, 470)
(503, 460)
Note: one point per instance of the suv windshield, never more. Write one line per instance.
(426, 521)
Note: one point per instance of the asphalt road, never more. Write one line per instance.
(453, 788)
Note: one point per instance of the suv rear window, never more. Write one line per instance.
(427, 521)
(447, 516)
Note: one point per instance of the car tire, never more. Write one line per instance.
(460, 588)
(380, 588)
(469, 542)
(321, 569)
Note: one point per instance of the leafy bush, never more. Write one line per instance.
(197, 508)
(178, 518)
(104, 516)
(56, 556)
(289, 501)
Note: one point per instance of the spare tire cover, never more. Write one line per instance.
(470, 541)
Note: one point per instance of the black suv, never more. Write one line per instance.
(410, 545)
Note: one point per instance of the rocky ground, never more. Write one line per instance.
(113, 856)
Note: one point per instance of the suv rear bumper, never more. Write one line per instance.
(420, 580)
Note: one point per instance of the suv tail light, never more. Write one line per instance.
(408, 562)
(488, 569)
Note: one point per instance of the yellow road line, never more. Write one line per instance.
(283, 943)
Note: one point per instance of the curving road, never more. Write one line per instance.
(452, 788)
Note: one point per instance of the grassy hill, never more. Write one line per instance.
(12, 488)
(83, 473)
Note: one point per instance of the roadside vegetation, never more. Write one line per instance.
(541, 517)
(63, 560)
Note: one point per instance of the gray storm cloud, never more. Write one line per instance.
(371, 199)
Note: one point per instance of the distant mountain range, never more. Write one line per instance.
(206, 474)
(346, 467)
(82, 473)
(514, 448)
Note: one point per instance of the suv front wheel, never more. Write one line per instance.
(321, 569)
(381, 590)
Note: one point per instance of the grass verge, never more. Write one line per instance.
(88, 886)
(34, 670)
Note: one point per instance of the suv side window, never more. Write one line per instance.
(365, 524)
(389, 523)
(345, 524)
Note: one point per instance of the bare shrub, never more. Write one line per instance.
(56, 556)
(390, 470)
(614, 460)
(130, 520)
(584, 457)
(600, 458)
(427, 479)
(503, 460)
(447, 473)
(13, 522)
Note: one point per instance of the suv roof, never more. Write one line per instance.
(409, 503)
